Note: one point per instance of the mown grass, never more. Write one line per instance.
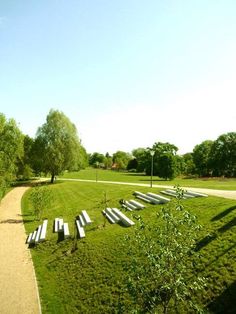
(109, 175)
(91, 278)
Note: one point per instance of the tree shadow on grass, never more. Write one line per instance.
(224, 303)
(15, 221)
(224, 213)
(205, 241)
(227, 226)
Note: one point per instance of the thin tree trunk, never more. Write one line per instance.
(52, 177)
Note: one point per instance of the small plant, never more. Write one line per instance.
(41, 198)
(162, 259)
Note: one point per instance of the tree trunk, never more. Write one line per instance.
(52, 178)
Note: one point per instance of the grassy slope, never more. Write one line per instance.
(90, 279)
(108, 175)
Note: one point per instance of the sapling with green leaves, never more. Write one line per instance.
(41, 199)
(160, 272)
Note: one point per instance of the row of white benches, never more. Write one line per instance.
(114, 215)
(39, 235)
(151, 198)
(186, 194)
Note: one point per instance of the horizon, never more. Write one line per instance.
(127, 74)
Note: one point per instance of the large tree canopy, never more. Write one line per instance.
(57, 145)
(11, 149)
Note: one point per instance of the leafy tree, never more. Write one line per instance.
(108, 161)
(188, 164)
(162, 257)
(121, 159)
(165, 161)
(223, 155)
(96, 158)
(24, 163)
(11, 149)
(142, 156)
(201, 158)
(57, 145)
(132, 164)
(41, 199)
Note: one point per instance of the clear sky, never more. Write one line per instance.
(128, 73)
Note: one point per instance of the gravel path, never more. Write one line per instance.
(18, 287)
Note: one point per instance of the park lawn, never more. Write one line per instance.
(91, 278)
(119, 176)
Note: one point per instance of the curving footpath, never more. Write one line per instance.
(18, 286)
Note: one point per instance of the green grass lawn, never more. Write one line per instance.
(109, 175)
(90, 279)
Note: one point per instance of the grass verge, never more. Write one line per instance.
(91, 278)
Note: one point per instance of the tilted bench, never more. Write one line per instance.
(82, 220)
(61, 226)
(39, 235)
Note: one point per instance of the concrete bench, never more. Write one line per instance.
(38, 235)
(66, 230)
(137, 204)
(80, 229)
(58, 225)
(162, 199)
(86, 217)
(124, 219)
(112, 215)
(108, 216)
(196, 194)
(129, 205)
(146, 198)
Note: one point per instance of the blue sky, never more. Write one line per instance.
(128, 73)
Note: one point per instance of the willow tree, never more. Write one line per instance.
(57, 145)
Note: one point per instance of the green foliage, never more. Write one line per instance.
(57, 146)
(162, 257)
(201, 158)
(41, 200)
(11, 149)
(121, 160)
(223, 155)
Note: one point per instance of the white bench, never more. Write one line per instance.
(86, 217)
(162, 199)
(66, 230)
(111, 215)
(137, 204)
(146, 198)
(80, 229)
(124, 219)
(39, 234)
(196, 194)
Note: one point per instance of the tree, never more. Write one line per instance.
(96, 158)
(142, 156)
(165, 161)
(201, 158)
(11, 149)
(24, 164)
(121, 159)
(162, 255)
(41, 199)
(223, 155)
(188, 164)
(57, 145)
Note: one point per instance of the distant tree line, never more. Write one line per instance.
(210, 158)
(57, 148)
